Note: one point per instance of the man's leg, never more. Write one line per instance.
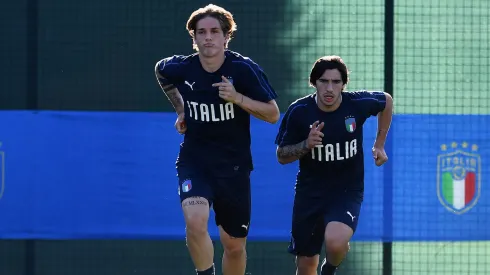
(341, 225)
(306, 265)
(194, 193)
(306, 234)
(337, 237)
(196, 215)
(232, 207)
(307, 247)
(235, 256)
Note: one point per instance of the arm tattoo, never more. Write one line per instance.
(296, 150)
(175, 98)
(171, 92)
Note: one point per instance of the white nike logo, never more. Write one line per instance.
(190, 85)
(353, 217)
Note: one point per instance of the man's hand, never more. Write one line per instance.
(379, 155)
(180, 124)
(227, 91)
(315, 137)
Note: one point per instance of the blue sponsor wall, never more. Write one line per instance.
(75, 175)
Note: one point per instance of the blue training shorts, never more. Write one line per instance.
(311, 216)
(228, 196)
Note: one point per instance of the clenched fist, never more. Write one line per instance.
(180, 124)
(379, 156)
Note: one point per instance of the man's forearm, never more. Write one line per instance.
(175, 98)
(170, 91)
(265, 111)
(384, 123)
(291, 153)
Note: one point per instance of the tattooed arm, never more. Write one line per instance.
(291, 153)
(170, 91)
(175, 99)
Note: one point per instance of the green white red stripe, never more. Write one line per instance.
(458, 192)
(351, 127)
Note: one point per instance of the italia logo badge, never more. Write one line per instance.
(186, 186)
(350, 124)
(458, 176)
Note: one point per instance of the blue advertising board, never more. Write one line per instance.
(111, 175)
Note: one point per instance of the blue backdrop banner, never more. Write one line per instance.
(74, 175)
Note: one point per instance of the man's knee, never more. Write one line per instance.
(196, 215)
(337, 246)
(233, 247)
(307, 265)
(337, 237)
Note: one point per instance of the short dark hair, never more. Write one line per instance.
(330, 62)
(224, 17)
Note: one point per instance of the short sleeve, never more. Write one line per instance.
(255, 82)
(169, 70)
(371, 103)
(290, 130)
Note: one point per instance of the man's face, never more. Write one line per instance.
(209, 37)
(328, 87)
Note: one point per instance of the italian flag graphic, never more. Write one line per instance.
(459, 191)
(351, 127)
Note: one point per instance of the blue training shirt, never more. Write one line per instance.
(217, 139)
(339, 161)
